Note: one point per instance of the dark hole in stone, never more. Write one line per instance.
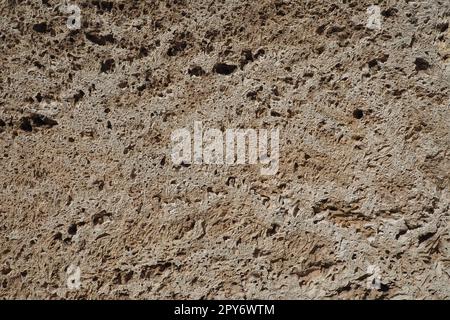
(128, 148)
(252, 95)
(143, 52)
(398, 92)
(442, 27)
(38, 64)
(108, 124)
(358, 114)
(335, 29)
(196, 71)
(107, 5)
(384, 58)
(176, 48)
(57, 236)
(230, 181)
(272, 230)
(421, 64)
(99, 218)
(321, 29)
(275, 114)
(128, 276)
(275, 91)
(384, 287)
(425, 237)
(72, 229)
(100, 40)
(107, 65)
(40, 120)
(320, 50)
(259, 53)
(224, 69)
(2, 123)
(25, 124)
(40, 27)
(373, 63)
(389, 12)
(39, 97)
(246, 58)
(400, 233)
(6, 270)
(78, 96)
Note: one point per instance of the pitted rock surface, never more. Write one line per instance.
(91, 205)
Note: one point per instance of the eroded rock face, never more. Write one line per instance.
(93, 207)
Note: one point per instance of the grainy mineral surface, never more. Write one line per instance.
(92, 205)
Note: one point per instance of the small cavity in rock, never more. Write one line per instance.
(100, 40)
(107, 65)
(40, 120)
(176, 48)
(72, 229)
(196, 71)
(358, 114)
(421, 64)
(25, 124)
(224, 69)
(40, 27)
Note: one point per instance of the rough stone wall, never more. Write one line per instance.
(92, 206)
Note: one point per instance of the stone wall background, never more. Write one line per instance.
(91, 205)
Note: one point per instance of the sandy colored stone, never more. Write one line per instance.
(91, 205)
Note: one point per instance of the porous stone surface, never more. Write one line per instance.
(92, 206)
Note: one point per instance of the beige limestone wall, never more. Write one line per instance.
(92, 206)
